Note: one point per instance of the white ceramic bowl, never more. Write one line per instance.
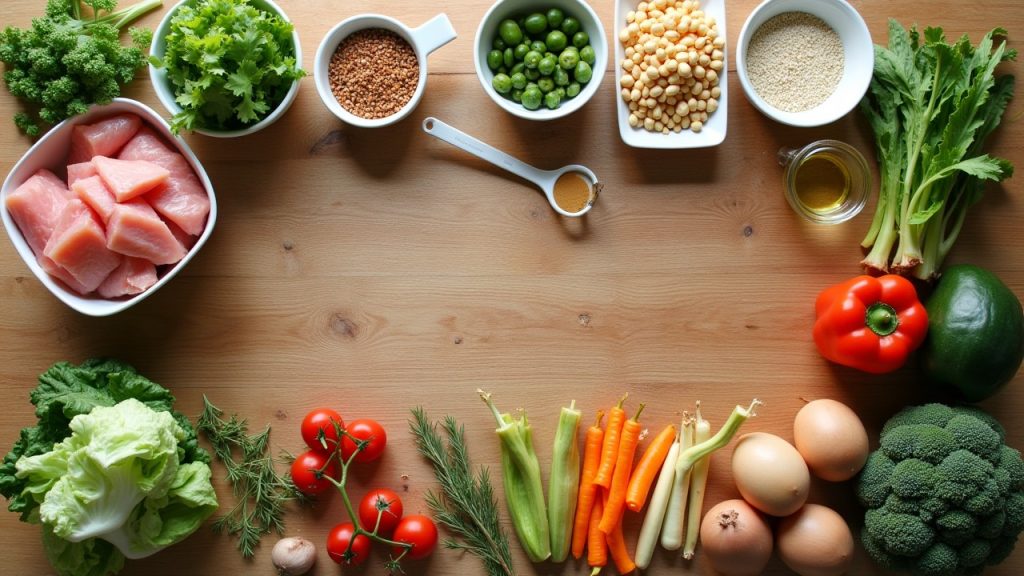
(51, 152)
(430, 36)
(514, 9)
(714, 129)
(858, 64)
(164, 93)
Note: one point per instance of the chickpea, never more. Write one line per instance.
(634, 120)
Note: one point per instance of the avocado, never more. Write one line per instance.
(975, 337)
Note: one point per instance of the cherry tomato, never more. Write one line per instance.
(304, 472)
(419, 531)
(368, 431)
(317, 420)
(384, 502)
(339, 549)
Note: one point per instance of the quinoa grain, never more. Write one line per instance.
(373, 73)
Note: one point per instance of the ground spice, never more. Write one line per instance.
(572, 192)
(795, 61)
(373, 73)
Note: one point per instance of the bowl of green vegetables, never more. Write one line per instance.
(225, 68)
(540, 59)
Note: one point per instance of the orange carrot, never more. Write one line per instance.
(597, 547)
(610, 447)
(588, 490)
(617, 547)
(648, 468)
(623, 466)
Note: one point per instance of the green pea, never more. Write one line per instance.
(532, 59)
(494, 59)
(502, 70)
(536, 23)
(583, 73)
(587, 55)
(545, 84)
(580, 39)
(560, 76)
(508, 58)
(510, 32)
(531, 73)
(519, 80)
(502, 84)
(555, 17)
(517, 95)
(568, 59)
(552, 100)
(532, 98)
(547, 65)
(561, 92)
(519, 52)
(573, 90)
(570, 26)
(555, 41)
(519, 67)
(538, 46)
(499, 44)
(532, 85)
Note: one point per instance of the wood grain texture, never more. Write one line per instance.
(374, 271)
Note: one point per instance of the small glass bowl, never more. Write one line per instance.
(850, 162)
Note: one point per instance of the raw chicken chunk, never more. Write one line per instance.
(135, 229)
(79, 246)
(104, 138)
(129, 178)
(133, 276)
(36, 206)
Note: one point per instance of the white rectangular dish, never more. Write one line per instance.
(714, 129)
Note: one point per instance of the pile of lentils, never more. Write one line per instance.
(542, 58)
(795, 61)
(373, 73)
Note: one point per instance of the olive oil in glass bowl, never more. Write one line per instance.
(826, 182)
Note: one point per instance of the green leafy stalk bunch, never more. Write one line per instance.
(67, 61)
(931, 105)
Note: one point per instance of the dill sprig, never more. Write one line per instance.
(466, 504)
(260, 492)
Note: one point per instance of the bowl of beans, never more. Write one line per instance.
(805, 62)
(370, 70)
(540, 59)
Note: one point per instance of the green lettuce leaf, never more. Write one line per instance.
(93, 557)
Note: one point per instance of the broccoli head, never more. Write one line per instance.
(944, 496)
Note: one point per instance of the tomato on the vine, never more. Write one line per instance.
(381, 502)
(419, 531)
(368, 431)
(343, 549)
(317, 420)
(304, 472)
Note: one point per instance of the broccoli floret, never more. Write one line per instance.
(943, 494)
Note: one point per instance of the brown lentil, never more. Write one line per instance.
(373, 73)
(795, 61)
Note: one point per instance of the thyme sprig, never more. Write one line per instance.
(466, 504)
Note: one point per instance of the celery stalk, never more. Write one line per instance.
(564, 484)
(672, 528)
(698, 482)
(656, 509)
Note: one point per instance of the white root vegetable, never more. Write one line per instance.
(698, 482)
(293, 556)
(656, 509)
(672, 528)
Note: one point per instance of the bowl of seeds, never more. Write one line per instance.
(804, 62)
(370, 70)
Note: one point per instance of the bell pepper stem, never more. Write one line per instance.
(881, 318)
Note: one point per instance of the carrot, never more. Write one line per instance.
(597, 547)
(648, 468)
(617, 547)
(588, 490)
(610, 446)
(623, 466)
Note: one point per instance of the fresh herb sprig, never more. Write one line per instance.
(466, 504)
(260, 492)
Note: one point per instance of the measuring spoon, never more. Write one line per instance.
(543, 179)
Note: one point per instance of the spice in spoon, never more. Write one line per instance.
(573, 192)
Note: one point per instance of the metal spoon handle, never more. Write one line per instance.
(460, 139)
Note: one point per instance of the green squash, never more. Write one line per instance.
(975, 338)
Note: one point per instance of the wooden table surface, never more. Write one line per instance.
(377, 270)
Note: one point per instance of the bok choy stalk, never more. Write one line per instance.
(656, 509)
(523, 488)
(672, 526)
(564, 484)
(931, 106)
(698, 483)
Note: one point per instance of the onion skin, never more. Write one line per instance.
(815, 541)
(736, 539)
(293, 556)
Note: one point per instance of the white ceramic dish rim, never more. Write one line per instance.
(30, 163)
(857, 46)
(482, 44)
(158, 76)
(714, 130)
(425, 39)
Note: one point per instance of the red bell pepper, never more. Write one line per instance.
(871, 324)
